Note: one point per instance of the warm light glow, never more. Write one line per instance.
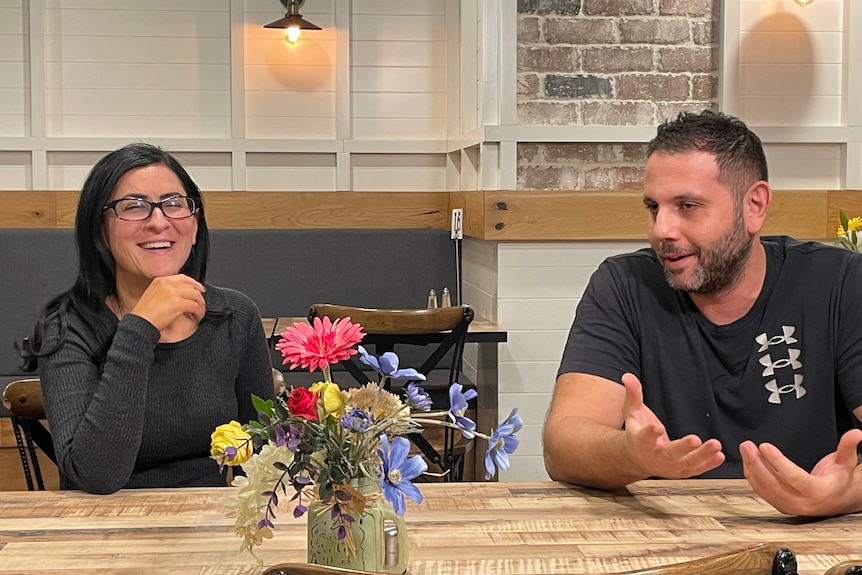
(804, 3)
(291, 34)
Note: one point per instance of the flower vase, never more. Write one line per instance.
(376, 540)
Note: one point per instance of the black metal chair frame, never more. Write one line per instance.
(30, 433)
(451, 464)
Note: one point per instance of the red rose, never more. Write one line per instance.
(303, 403)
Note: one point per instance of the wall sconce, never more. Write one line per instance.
(293, 21)
(804, 3)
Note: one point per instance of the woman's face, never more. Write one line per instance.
(157, 246)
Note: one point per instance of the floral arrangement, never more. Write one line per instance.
(310, 443)
(847, 231)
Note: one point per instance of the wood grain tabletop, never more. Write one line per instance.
(460, 528)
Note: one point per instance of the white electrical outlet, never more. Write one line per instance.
(457, 231)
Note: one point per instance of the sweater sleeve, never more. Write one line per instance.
(255, 374)
(97, 420)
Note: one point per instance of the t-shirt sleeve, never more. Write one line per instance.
(603, 340)
(849, 336)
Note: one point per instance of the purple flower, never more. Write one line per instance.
(387, 364)
(418, 397)
(502, 443)
(291, 438)
(355, 420)
(398, 471)
(458, 406)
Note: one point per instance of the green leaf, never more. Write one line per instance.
(280, 466)
(263, 406)
(844, 221)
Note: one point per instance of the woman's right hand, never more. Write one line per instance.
(168, 298)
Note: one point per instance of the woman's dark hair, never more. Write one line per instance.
(738, 151)
(96, 279)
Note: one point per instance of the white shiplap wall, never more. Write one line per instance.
(790, 61)
(137, 70)
(361, 104)
(536, 287)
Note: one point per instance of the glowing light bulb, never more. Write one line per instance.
(804, 3)
(291, 34)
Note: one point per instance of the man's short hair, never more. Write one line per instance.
(738, 151)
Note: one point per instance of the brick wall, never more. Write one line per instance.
(609, 62)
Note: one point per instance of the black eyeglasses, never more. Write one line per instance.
(139, 209)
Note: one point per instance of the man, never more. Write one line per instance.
(738, 355)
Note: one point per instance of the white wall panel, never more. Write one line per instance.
(399, 53)
(14, 170)
(793, 110)
(525, 468)
(11, 19)
(396, 27)
(137, 50)
(164, 103)
(527, 376)
(532, 407)
(370, 79)
(14, 88)
(137, 76)
(533, 345)
(290, 104)
(137, 5)
(133, 127)
(527, 313)
(399, 129)
(162, 93)
(290, 172)
(11, 46)
(287, 128)
(273, 50)
(399, 105)
(409, 7)
(395, 179)
(804, 167)
(290, 179)
(290, 78)
(790, 63)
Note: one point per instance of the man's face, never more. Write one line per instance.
(696, 227)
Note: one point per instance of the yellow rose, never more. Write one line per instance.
(330, 395)
(230, 444)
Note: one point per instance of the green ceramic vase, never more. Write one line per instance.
(379, 535)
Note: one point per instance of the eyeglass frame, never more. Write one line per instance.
(112, 205)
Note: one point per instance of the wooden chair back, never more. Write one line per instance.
(762, 559)
(441, 331)
(23, 398)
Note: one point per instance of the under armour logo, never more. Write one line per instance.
(787, 338)
(777, 392)
(771, 366)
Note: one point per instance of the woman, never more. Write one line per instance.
(140, 360)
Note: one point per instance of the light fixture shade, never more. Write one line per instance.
(804, 3)
(293, 19)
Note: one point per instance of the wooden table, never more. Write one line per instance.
(461, 528)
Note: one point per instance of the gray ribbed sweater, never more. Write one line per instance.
(145, 420)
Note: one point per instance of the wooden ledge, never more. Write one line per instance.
(498, 215)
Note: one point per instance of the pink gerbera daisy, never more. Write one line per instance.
(320, 346)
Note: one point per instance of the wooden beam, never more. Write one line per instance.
(499, 215)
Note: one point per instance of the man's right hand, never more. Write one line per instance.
(651, 449)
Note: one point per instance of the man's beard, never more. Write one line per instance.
(719, 265)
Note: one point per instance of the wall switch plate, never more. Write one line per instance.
(457, 231)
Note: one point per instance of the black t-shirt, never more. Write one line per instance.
(789, 372)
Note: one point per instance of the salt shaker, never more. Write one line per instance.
(447, 300)
(432, 299)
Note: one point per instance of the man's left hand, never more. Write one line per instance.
(833, 487)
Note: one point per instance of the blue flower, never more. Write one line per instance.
(502, 443)
(355, 420)
(418, 397)
(387, 365)
(458, 406)
(397, 471)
